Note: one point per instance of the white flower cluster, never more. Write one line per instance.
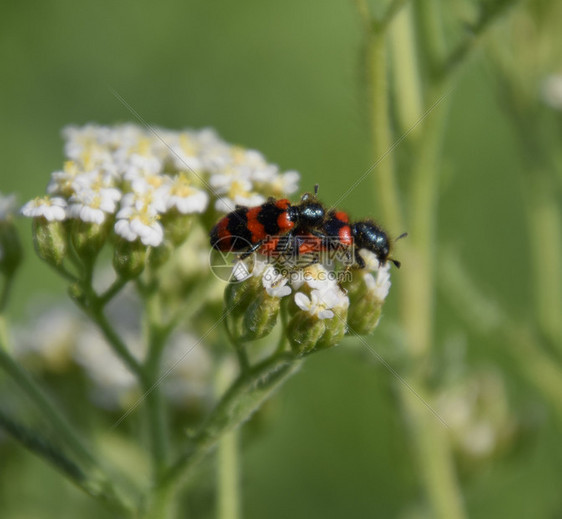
(317, 287)
(136, 176)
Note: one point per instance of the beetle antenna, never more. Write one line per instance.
(316, 189)
(403, 235)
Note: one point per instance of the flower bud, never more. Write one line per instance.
(304, 331)
(320, 316)
(88, 238)
(177, 226)
(335, 329)
(366, 295)
(157, 256)
(251, 311)
(129, 258)
(307, 333)
(50, 240)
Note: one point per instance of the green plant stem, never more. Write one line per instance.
(431, 448)
(463, 51)
(431, 36)
(239, 348)
(115, 341)
(405, 71)
(244, 397)
(417, 287)
(428, 434)
(385, 185)
(155, 403)
(64, 272)
(160, 504)
(228, 491)
(417, 307)
(112, 291)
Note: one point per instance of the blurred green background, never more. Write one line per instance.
(284, 78)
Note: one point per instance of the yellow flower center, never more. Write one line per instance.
(182, 186)
(237, 189)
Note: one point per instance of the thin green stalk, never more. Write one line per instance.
(112, 291)
(405, 71)
(417, 287)
(157, 425)
(241, 353)
(385, 186)
(115, 341)
(428, 434)
(228, 491)
(431, 35)
(64, 272)
(394, 9)
(160, 504)
(463, 51)
(417, 307)
(432, 451)
(155, 402)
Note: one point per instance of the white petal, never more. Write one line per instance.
(302, 301)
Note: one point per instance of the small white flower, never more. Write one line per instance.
(154, 200)
(146, 182)
(52, 209)
(227, 205)
(316, 276)
(321, 302)
(233, 190)
(380, 285)
(184, 197)
(275, 284)
(93, 206)
(140, 223)
(278, 184)
(62, 182)
(372, 263)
